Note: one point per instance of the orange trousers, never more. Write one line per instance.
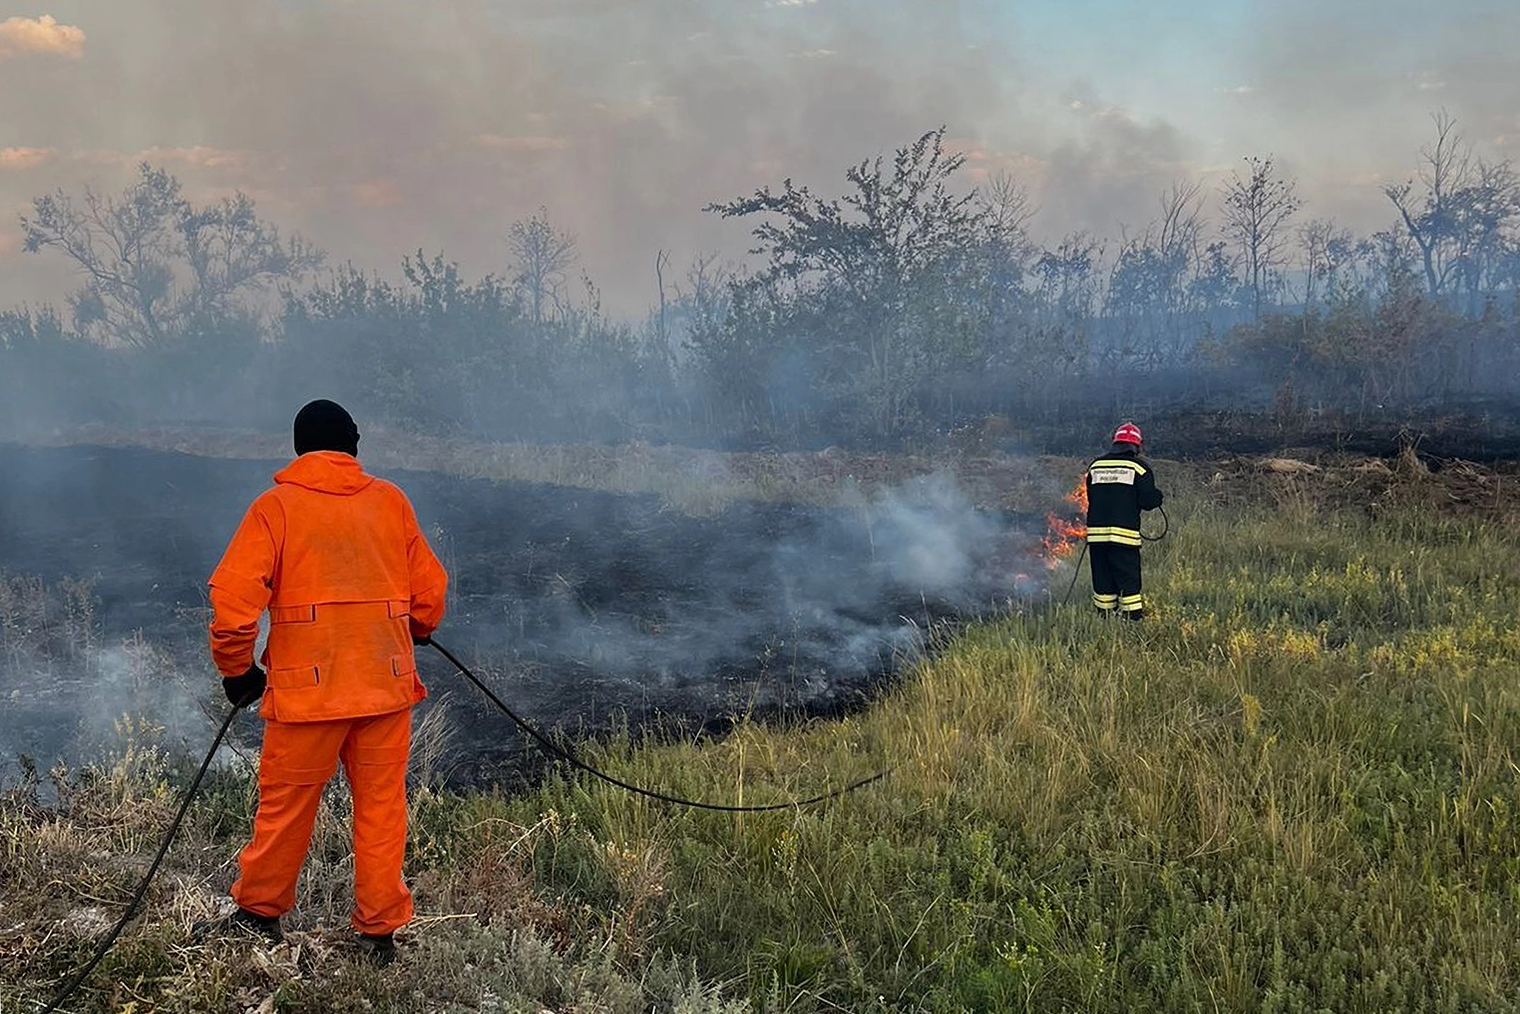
(298, 759)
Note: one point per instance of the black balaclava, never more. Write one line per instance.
(325, 426)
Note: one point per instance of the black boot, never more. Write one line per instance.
(379, 948)
(240, 921)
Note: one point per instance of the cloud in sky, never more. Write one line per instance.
(378, 194)
(23, 158)
(42, 35)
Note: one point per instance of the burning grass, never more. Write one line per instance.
(1293, 788)
(1065, 533)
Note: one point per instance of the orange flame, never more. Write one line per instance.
(1064, 536)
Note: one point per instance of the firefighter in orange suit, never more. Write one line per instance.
(335, 556)
(1120, 485)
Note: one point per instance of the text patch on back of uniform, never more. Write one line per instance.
(1113, 474)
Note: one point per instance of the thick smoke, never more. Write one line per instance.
(89, 702)
(619, 604)
(580, 605)
(842, 589)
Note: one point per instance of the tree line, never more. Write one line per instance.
(908, 305)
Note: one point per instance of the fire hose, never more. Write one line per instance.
(142, 889)
(555, 750)
(539, 739)
(1166, 526)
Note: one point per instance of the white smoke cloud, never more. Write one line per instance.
(930, 537)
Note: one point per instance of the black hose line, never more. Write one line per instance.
(1075, 573)
(1166, 526)
(142, 888)
(554, 750)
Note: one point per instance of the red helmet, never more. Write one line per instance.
(1129, 433)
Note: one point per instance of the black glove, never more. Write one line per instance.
(421, 640)
(245, 689)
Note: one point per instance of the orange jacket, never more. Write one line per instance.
(337, 558)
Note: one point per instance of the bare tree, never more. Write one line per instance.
(1430, 216)
(1179, 238)
(661, 258)
(707, 288)
(153, 263)
(1006, 206)
(1181, 220)
(1459, 214)
(1257, 210)
(1484, 212)
(1328, 250)
(1148, 285)
(701, 305)
(1068, 278)
(543, 255)
(229, 249)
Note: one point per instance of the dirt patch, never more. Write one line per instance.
(1408, 480)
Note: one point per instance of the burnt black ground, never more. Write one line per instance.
(579, 607)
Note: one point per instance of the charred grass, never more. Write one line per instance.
(1293, 788)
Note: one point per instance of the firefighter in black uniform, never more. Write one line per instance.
(1120, 485)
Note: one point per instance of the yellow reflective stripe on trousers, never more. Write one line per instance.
(1131, 603)
(1105, 601)
(1112, 533)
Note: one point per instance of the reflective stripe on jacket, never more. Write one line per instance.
(1119, 486)
(337, 558)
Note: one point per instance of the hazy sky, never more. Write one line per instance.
(375, 127)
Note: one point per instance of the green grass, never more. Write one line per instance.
(1292, 789)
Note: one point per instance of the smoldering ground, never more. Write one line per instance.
(581, 607)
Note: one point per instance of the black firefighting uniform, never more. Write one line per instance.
(1120, 485)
